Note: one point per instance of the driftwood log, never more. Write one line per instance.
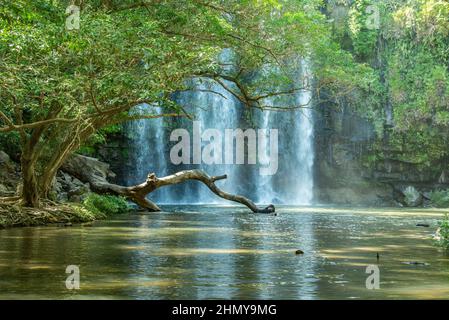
(138, 193)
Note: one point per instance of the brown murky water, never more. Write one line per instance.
(216, 252)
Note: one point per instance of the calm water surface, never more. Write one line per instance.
(216, 252)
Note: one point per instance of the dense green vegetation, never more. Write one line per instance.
(440, 198)
(442, 235)
(105, 205)
(409, 50)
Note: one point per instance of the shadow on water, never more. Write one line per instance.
(220, 252)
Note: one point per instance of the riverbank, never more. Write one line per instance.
(15, 216)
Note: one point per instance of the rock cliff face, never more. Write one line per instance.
(343, 140)
(116, 153)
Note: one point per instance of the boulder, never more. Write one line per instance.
(77, 183)
(57, 186)
(62, 197)
(66, 178)
(78, 191)
(80, 173)
(84, 168)
(9, 177)
(4, 158)
(76, 198)
(68, 188)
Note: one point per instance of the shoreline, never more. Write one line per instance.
(13, 216)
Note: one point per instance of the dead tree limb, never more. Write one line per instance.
(138, 193)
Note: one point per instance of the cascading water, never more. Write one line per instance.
(266, 193)
(293, 183)
(216, 108)
(304, 135)
(220, 111)
(147, 150)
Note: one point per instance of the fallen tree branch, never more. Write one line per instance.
(138, 193)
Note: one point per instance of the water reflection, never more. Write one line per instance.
(200, 252)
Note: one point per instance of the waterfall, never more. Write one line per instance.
(304, 135)
(216, 108)
(293, 184)
(147, 149)
(266, 193)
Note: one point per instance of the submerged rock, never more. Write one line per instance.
(425, 225)
(299, 252)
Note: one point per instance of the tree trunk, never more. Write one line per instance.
(31, 151)
(75, 136)
(30, 191)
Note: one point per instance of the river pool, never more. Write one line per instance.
(222, 252)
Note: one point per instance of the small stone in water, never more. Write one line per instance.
(425, 225)
(416, 263)
(299, 252)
